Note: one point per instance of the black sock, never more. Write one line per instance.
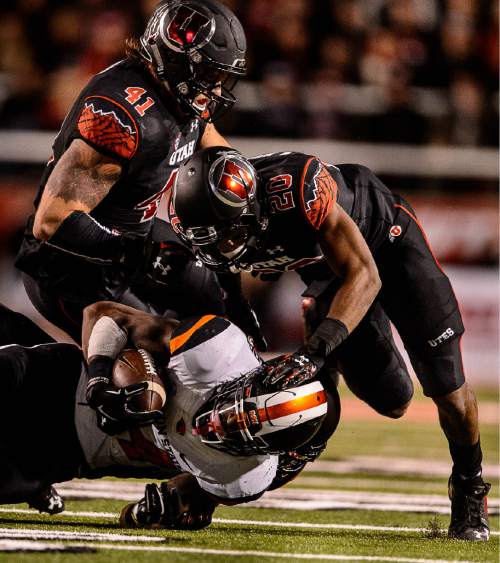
(466, 460)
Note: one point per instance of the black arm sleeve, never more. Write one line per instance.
(81, 235)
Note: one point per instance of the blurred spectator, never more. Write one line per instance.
(307, 56)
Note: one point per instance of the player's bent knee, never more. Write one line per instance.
(440, 369)
(393, 394)
(397, 412)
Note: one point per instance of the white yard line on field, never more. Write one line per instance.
(32, 533)
(296, 498)
(265, 523)
(38, 546)
(393, 466)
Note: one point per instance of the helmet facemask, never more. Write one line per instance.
(244, 417)
(177, 43)
(238, 219)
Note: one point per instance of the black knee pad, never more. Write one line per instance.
(394, 391)
(439, 368)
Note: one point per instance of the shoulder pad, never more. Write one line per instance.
(108, 126)
(194, 331)
(318, 192)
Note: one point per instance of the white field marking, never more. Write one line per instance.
(29, 545)
(393, 466)
(296, 498)
(380, 484)
(265, 523)
(11, 533)
(226, 552)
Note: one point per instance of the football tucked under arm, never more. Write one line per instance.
(138, 366)
(124, 386)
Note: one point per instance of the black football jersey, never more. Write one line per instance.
(125, 113)
(299, 192)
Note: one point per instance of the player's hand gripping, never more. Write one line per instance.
(288, 370)
(112, 404)
(179, 504)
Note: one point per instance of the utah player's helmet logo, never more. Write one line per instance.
(187, 28)
(233, 180)
(198, 48)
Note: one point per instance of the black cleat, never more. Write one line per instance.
(48, 500)
(469, 512)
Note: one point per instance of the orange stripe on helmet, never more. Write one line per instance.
(294, 406)
(180, 340)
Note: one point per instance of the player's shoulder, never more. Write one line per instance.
(288, 161)
(123, 110)
(195, 331)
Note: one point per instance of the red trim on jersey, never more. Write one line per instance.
(325, 189)
(423, 233)
(104, 131)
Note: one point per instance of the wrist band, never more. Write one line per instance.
(329, 334)
(106, 339)
(100, 370)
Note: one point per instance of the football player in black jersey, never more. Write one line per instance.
(94, 233)
(344, 232)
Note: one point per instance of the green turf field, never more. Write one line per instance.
(249, 533)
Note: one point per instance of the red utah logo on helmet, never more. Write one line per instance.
(188, 28)
(232, 181)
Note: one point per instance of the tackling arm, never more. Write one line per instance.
(79, 181)
(350, 258)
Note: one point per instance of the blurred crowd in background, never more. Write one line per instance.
(421, 72)
(407, 71)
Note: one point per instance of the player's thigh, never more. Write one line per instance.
(372, 366)
(420, 301)
(15, 328)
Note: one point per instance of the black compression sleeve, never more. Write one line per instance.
(81, 235)
(329, 334)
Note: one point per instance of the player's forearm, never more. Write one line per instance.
(79, 182)
(355, 296)
(93, 313)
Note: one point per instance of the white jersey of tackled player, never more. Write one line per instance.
(205, 351)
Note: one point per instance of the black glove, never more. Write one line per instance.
(288, 370)
(179, 504)
(112, 405)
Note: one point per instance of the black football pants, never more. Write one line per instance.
(418, 298)
(38, 440)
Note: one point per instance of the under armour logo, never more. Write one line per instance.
(55, 502)
(275, 250)
(158, 265)
(194, 125)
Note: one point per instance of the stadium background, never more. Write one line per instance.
(407, 87)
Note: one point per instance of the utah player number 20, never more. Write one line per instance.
(279, 191)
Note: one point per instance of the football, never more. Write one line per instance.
(137, 366)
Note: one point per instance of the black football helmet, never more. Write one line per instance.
(216, 210)
(198, 48)
(277, 407)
